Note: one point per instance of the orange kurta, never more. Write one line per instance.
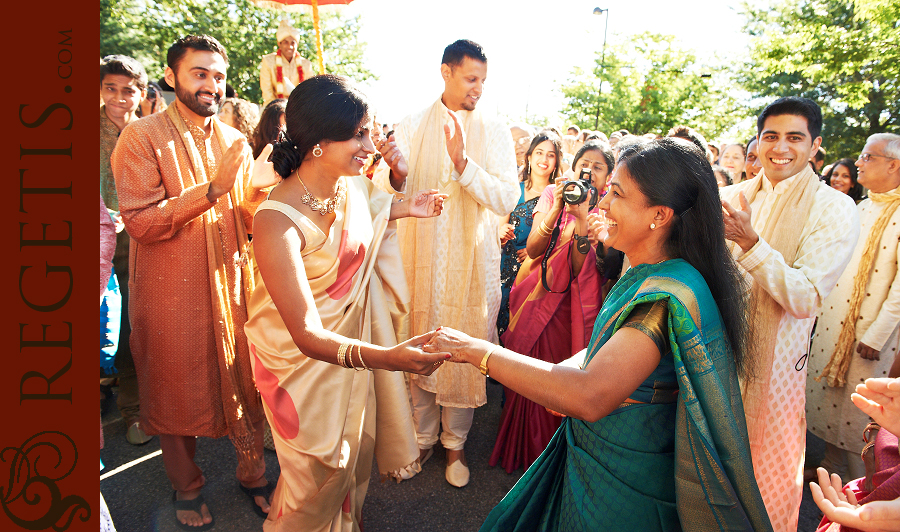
(162, 199)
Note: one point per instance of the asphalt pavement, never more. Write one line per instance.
(139, 495)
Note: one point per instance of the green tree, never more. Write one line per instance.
(843, 55)
(650, 85)
(145, 29)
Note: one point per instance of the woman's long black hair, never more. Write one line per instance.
(323, 107)
(268, 130)
(674, 173)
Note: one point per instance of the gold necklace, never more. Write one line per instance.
(322, 207)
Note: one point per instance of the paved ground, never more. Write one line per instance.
(140, 499)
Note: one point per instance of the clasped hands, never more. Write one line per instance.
(425, 353)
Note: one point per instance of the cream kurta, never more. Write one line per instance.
(492, 184)
(826, 242)
(268, 78)
(831, 415)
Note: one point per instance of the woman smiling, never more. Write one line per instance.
(656, 433)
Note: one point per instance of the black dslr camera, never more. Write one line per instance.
(580, 190)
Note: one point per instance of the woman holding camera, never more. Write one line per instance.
(656, 437)
(552, 321)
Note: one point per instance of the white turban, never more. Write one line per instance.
(286, 30)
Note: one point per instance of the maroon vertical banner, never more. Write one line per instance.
(49, 441)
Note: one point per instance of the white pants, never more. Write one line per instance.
(429, 419)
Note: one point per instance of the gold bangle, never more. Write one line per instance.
(359, 354)
(341, 355)
(361, 361)
(546, 231)
(483, 367)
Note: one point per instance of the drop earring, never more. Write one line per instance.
(317, 151)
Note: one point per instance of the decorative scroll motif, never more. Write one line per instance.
(31, 498)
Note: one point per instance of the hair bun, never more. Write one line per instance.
(285, 156)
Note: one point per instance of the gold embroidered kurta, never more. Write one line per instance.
(268, 78)
(162, 201)
(441, 283)
(830, 413)
(826, 242)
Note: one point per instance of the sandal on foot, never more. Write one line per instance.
(191, 505)
(259, 491)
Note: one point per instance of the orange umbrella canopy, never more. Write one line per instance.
(305, 6)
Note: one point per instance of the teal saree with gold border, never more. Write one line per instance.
(648, 467)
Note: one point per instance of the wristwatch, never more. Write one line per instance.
(582, 244)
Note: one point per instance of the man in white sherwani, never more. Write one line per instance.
(867, 295)
(452, 262)
(793, 236)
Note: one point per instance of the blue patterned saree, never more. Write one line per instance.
(665, 465)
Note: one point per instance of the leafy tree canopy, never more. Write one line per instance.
(843, 55)
(144, 29)
(650, 85)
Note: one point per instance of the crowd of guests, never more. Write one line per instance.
(646, 301)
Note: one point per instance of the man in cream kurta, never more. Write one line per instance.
(793, 237)
(873, 350)
(294, 67)
(452, 262)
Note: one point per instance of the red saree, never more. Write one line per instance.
(550, 327)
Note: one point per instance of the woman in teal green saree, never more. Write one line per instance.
(654, 437)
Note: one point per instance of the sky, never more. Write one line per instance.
(531, 45)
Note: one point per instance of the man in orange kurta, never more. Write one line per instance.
(185, 194)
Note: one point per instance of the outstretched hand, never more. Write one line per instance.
(880, 400)
(427, 203)
(263, 170)
(840, 506)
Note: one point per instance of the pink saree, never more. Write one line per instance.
(547, 326)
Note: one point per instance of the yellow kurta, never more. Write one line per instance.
(826, 242)
(323, 416)
(441, 296)
(830, 413)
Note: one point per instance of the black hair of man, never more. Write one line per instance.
(820, 154)
(203, 43)
(795, 106)
(123, 65)
(456, 52)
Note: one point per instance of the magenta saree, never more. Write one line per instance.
(547, 326)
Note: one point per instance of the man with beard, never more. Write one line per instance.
(187, 200)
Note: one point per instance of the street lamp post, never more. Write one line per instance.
(599, 11)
